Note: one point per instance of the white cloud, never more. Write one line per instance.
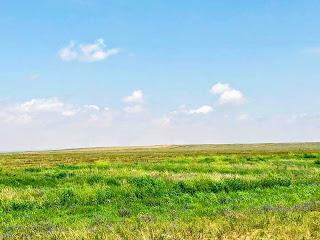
(227, 95)
(46, 110)
(220, 88)
(49, 123)
(40, 108)
(42, 105)
(68, 53)
(135, 97)
(87, 52)
(205, 109)
(231, 97)
(134, 109)
(92, 107)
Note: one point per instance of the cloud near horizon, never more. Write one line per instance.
(134, 109)
(205, 109)
(48, 123)
(44, 110)
(44, 123)
(135, 97)
(227, 95)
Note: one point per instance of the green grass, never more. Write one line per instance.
(267, 191)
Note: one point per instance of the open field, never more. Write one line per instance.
(263, 191)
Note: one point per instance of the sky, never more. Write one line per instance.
(85, 73)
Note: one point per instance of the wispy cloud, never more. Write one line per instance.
(33, 76)
(164, 121)
(135, 97)
(227, 94)
(42, 123)
(243, 117)
(202, 110)
(47, 110)
(134, 109)
(205, 109)
(94, 52)
(313, 51)
(41, 105)
(92, 107)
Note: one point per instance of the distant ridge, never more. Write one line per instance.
(219, 148)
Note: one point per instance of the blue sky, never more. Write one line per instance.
(67, 68)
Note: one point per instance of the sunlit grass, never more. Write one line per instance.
(165, 193)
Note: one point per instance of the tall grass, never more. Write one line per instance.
(168, 193)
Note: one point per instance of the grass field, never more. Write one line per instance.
(266, 191)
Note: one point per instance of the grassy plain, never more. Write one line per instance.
(263, 191)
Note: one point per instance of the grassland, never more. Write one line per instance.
(265, 191)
